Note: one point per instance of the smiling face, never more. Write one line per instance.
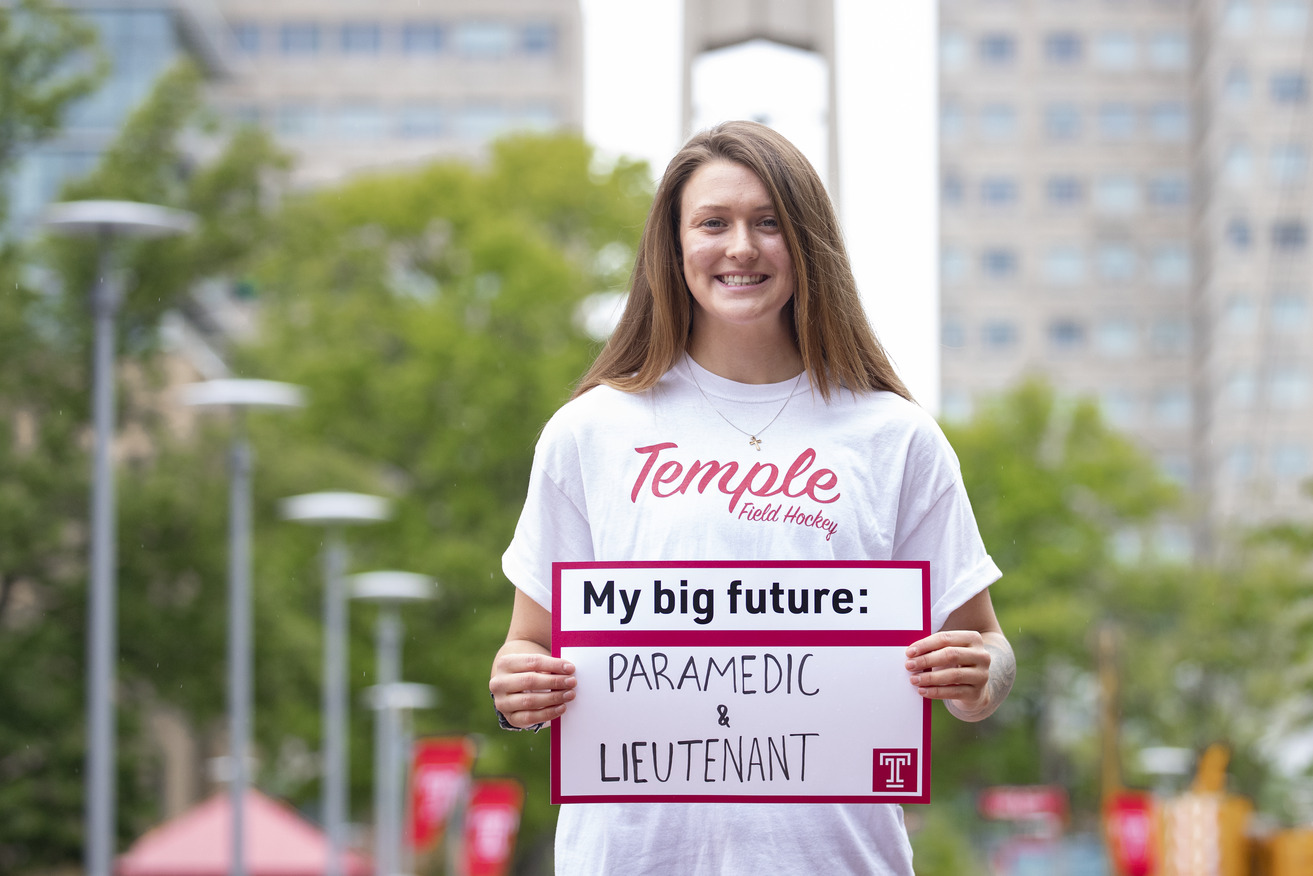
(736, 260)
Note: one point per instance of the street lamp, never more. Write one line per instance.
(239, 395)
(391, 703)
(333, 511)
(389, 590)
(105, 221)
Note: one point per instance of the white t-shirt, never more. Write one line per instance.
(667, 475)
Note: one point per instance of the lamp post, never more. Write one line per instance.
(389, 590)
(334, 511)
(239, 395)
(389, 702)
(105, 221)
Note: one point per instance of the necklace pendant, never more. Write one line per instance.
(755, 442)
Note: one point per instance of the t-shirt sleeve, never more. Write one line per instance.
(553, 527)
(943, 530)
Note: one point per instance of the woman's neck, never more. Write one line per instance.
(747, 357)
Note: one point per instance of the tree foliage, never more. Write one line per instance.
(44, 405)
(1059, 497)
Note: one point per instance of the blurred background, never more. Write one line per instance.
(1081, 227)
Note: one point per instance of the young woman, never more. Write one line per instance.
(744, 340)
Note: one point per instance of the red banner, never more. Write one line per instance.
(491, 823)
(1132, 833)
(439, 775)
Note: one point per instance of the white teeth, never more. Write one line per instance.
(738, 280)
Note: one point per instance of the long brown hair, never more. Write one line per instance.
(834, 337)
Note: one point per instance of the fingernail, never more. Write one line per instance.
(567, 667)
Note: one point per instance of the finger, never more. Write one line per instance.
(949, 656)
(544, 663)
(508, 683)
(537, 712)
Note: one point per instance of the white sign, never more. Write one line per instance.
(745, 682)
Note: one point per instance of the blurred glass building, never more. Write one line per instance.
(358, 86)
(1125, 211)
(346, 86)
(141, 40)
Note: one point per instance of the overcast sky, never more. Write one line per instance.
(887, 116)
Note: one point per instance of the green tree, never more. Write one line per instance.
(44, 403)
(433, 316)
(1053, 488)
(51, 59)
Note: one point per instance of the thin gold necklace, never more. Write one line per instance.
(752, 436)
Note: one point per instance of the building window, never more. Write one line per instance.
(952, 334)
(1170, 336)
(1171, 406)
(953, 51)
(1287, 16)
(299, 38)
(999, 264)
(1117, 121)
(998, 121)
(1115, 50)
(1171, 264)
(1237, 87)
(1239, 461)
(484, 40)
(482, 121)
(1062, 48)
(1288, 163)
(423, 38)
(999, 191)
(1288, 87)
(1240, 389)
(998, 335)
(1064, 265)
(1117, 194)
(1238, 164)
(1239, 315)
(1062, 121)
(1169, 121)
(360, 121)
(953, 265)
(998, 49)
(952, 121)
(1238, 16)
(361, 38)
(1171, 190)
(246, 38)
(1066, 335)
(539, 116)
(1116, 338)
(297, 120)
(539, 39)
(952, 190)
(1289, 235)
(1063, 191)
(1238, 233)
(422, 121)
(1289, 312)
(1169, 50)
(1288, 388)
(1119, 408)
(1289, 461)
(1116, 261)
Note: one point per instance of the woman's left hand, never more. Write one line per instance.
(968, 663)
(951, 665)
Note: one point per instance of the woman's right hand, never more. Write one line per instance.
(529, 687)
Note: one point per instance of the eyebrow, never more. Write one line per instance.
(718, 208)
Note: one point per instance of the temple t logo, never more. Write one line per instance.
(894, 769)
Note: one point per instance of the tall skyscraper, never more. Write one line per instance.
(1125, 212)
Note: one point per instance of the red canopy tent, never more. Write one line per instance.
(279, 842)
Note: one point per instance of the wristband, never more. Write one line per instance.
(507, 725)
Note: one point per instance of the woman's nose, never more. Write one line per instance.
(741, 244)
